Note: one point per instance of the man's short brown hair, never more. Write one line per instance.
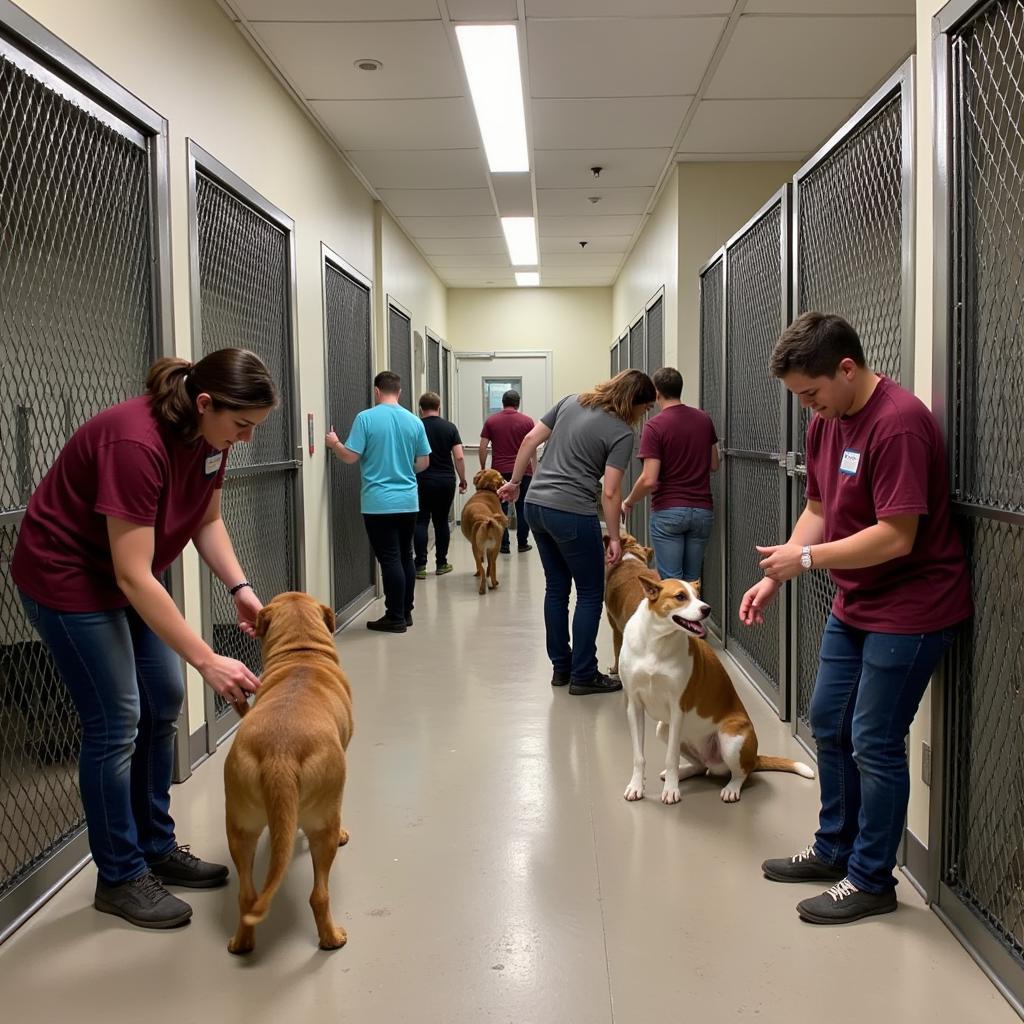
(511, 399)
(815, 344)
(669, 382)
(387, 382)
(430, 401)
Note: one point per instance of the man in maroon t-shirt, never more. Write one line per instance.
(878, 519)
(505, 431)
(679, 448)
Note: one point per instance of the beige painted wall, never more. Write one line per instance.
(715, 201)
(651, 265)
(572, 323)
(187, 61)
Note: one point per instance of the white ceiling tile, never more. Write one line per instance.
(599, 243)
(609, 123)
(402, 124)
(514, 194)
(585, 260)
(318, 58)
(574, 202)
(463, 246)
(830, 6)
(437, 202)
(422, 168)
(587, 227)
(332, 10)
(452, 227)
(469, 261)
(598, 279)
(482, 10)
(620, 57)
(771, 127)
(810, 57)
(478, 279)
(570, 168)
(625, 8)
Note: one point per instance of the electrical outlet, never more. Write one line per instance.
(926, 763)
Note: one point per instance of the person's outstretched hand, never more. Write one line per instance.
(756, 599)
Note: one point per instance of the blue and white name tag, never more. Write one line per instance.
(850, 463)
(213, 463)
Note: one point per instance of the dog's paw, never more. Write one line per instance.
(342, 837)
(241, 946)
(670, 795)
(494, 584)
(634, 791)
(334, 939)
(731, 793)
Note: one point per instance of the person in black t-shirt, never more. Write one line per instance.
(437, 484)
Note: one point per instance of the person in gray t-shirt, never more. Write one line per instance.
(586, 437)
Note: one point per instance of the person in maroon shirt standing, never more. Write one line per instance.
(679, 448)
(505, 431)
(129, 490)
(878, 519)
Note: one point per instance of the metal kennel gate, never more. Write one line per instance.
(977, 814)
(349, 375)
(756, 433)
(853, 255)
(433, 365)
(400, 352)
(242, 259)
(84, 276)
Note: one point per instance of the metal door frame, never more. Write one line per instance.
(640, 526)
(65, 71)
(328, 257)
(393, 303)
(198, 159)
(998, 964)
(429, 335)
(783, 199)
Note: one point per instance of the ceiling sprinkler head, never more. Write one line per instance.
(593, 199)
(596, 171)
(368, 64)
(583, 245)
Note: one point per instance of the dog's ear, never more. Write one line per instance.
(648, 554)
(263, 620)
(652, 588)
(328, 614)
(696, 586)
(476, 479)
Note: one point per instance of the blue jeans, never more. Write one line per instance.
(522, 526)
(128, 688)
(679, 537)
(571, 551)
(867, 692)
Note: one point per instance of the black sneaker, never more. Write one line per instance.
(408, 621)
(599, 684)
(386, 625)
(805, 866)
(559, 678)
(525, 547)
(504, 551)
(844, 903)
(143, 902)
(182, 867)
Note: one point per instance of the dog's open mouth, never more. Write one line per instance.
(695, 628)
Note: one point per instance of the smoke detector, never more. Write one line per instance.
(368, 64)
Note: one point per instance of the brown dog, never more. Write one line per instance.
(483, 523)
(286, 767)
(623, 591)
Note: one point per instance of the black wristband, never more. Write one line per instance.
(238, 586)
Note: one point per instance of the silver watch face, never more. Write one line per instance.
(805, 561)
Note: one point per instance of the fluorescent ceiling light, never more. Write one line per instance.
(528, 279)
(521, 239)
(490, 54)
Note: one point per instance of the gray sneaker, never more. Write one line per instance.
(805, 866)
(143, 902)
(844, 903)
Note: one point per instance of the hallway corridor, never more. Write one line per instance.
(495, 872)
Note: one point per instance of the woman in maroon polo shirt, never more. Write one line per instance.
(129, 490)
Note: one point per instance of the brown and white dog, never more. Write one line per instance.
(483, 523)
(672, 674)
(622, 590)
(286, 768)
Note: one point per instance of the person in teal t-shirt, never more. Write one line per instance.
(391, 447)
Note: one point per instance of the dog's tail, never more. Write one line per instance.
(783, 764)
(280, 787)
(498, 519)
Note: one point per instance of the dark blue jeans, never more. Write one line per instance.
(571, 551)
(522, 526)
(128, 688)
(679, 536)
(867, 692)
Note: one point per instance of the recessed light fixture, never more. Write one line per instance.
(528, 279)
(521, 239)
(368, 64)
(490, 54)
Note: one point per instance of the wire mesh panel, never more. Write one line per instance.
(851, 234)
(712, 297)
(983, 862)
(433, 365)
(755, 303)
(77, 324)
(655, 330)
(349, 391)
(400, 352)
(244, 301)
(446, 384)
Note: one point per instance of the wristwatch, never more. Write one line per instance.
(805, 557)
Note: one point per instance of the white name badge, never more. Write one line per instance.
(213, 462)
(850, 463)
